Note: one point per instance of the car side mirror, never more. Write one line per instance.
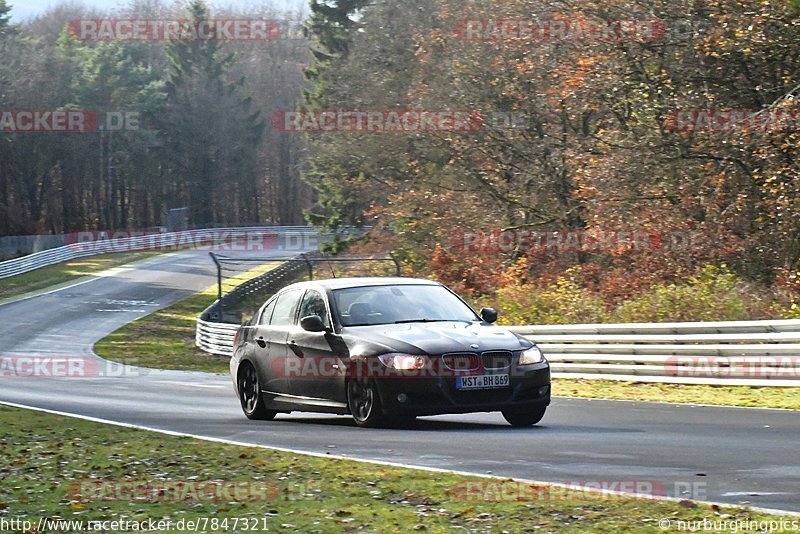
(313, 323)
(489, 315)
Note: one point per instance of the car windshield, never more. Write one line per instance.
(373, 305)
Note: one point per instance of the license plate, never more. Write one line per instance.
(482, 382)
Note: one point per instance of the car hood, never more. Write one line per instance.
(431, 338)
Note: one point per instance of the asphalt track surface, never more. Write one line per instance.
(732, 455)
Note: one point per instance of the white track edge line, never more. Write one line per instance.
(395, 464)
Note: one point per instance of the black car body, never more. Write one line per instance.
(384, 349)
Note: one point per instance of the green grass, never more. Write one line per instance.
(46, 459)
(762, 397)
(60, 273)
(166, 338)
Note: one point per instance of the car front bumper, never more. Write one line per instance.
(529, 388)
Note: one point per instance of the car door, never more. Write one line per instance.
(270, 341)
(321, 379)
(255, 345)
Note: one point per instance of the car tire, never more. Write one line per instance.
(526, 418)
(364, 403)
(250, 394)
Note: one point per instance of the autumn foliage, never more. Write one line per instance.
(581, 139)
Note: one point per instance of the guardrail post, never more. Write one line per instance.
(219, 284)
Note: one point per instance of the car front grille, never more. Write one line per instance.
(470, 361)
(462, 361)
(497, 360)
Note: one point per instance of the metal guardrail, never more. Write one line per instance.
(741, 353)
(160, 241)
(215, 338)
(741, 327)
(733, 354)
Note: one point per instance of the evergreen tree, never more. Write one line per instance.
(212, 132)
(332, 25)
(5, 19)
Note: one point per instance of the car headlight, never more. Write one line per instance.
(404, 362)
(531, 356)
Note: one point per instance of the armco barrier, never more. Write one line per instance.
(753, 353)
(746, 353)
(158, 241)
(215, 338)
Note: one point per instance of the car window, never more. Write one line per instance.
(371, 305)
(285, 307)
(266, 315)
(313, 304)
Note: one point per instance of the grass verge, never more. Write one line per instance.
(60, 273)
(58, 467)
(166, 338)
(761, 397)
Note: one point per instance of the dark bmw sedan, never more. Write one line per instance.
(384, 350)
